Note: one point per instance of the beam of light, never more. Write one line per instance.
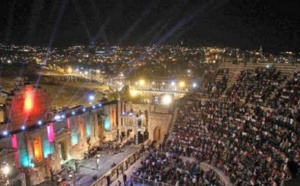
(58, 19)
(163, 25)
(135, 24)
(36, 9)
(82, 19)
(101, 32)
(57, 95)
(159, 32)
(162, 22)
(57, 22)
(101, 28)
(187, 19)
(74, 95)
(152, 30)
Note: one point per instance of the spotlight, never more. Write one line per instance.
(62, 116)
(57, 117)
(91, 97)
(73, 113)
(23, 127)
(39, 122)
(93, 106)
(5, 132)
(166, 99)
(83, 109)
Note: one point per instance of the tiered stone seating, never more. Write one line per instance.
(288, 95)
(255, 86)
(250, 145)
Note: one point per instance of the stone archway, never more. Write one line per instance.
(157, 134)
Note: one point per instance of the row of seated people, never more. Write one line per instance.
(288, 95)
(213, 87)
(169, 168)
(249, 144)
(256, 86)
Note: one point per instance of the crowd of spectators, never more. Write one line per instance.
(249, 144)
(213, 87)
(288, 95)
(256, 86)
(171, 169)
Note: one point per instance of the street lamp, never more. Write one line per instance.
(5, 171)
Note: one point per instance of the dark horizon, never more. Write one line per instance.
(274, 25)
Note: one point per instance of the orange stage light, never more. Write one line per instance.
(28, 104)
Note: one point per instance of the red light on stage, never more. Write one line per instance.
(28, 103)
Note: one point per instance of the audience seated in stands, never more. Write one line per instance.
(255, 86)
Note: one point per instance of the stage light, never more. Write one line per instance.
(181, 84)
(28, 103)
(133, 93)
(91, 97)
(57, 117)
(93, 106)
(40, 122)
(83, 110)
(73, 113)
(166, 99)
(142, 82)
(23, 127)
(6, 170)
(5, 133)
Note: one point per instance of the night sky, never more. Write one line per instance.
(236, 23)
